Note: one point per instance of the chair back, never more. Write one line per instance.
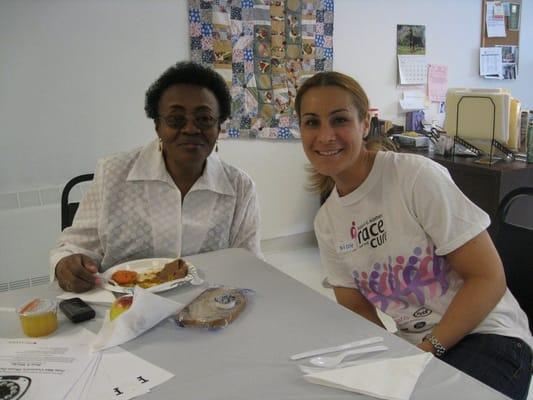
(515, 244)
(68, 209)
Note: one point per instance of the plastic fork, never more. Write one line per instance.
(333, 361)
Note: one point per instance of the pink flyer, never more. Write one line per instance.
(437, 82)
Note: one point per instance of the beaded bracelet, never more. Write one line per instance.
(439, 348)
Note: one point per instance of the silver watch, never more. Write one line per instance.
(439, 348)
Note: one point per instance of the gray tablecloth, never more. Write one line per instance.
(250, 358)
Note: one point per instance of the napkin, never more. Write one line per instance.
(97, 295)
(146, 311)
(392, 379)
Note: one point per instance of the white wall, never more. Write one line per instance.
(73, 75)
(365, 46)
(73, 81)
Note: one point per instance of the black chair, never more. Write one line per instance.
(68, 210)
(514, 243)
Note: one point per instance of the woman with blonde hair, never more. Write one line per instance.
(396, 233)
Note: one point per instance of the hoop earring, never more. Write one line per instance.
(160, 145)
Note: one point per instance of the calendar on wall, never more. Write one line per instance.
(411, 49)
(412, 69)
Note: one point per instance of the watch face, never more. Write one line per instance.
(13, 387)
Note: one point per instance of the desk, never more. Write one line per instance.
(250, 358)
(486, 185)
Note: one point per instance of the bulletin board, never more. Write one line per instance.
(510, 42)
(512, 36)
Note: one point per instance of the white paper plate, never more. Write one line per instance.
(143, 265)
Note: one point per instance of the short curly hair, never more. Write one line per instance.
(189, 73)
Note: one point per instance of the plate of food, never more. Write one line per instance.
(153, 274)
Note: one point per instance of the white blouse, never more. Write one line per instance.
(134, 210)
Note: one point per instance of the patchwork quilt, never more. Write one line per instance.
(264, 49)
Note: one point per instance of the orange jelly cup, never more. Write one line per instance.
(38, 317)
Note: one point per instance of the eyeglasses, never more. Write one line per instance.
(201, 121)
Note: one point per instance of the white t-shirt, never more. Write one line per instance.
(134, 210)
(388, 237)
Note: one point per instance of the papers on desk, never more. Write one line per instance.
(62, 367)
(46, 367)
(118, 374)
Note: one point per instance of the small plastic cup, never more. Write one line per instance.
(38, 317)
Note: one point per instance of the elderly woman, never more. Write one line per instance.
(172, 197)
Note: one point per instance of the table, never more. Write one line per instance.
(250, 358)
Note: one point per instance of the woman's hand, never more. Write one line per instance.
(426, 346)
(76, 273)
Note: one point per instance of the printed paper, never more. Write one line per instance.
(412, 69)
(490, 62)
(437, 82)
(495, 19)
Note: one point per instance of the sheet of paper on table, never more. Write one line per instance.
(43, 367)
(94, 296)
(62, 367)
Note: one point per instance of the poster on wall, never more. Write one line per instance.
(264, 49)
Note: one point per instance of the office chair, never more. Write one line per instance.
(514, 243)
(68, 210)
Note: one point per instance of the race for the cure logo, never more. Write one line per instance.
(353, 230)
(371, 233)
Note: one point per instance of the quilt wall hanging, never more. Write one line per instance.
(264, 49)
